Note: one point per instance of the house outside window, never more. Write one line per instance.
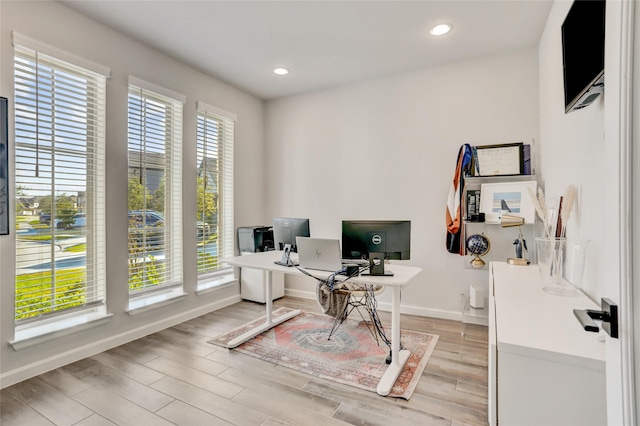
(154, 190)
(59, 188)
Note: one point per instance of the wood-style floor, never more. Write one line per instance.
(175, 377)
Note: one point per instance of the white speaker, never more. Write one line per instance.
(476, 297)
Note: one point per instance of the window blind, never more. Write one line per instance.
(155, 193)
(215, 139)
(59, 177)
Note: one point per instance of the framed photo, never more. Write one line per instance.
(4, 168)
(500, 160)
(510, 198)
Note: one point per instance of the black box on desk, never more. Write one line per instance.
(255, 238)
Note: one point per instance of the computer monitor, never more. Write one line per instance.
(389, 237)
(286, 229)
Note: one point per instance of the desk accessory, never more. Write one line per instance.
(478, 245)
(508, 221)
(557, 255)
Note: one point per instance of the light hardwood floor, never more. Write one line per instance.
(176, 377)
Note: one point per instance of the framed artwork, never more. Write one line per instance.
(500, 160)
(511, 198)
(4, 167)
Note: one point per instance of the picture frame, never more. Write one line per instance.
(500, 160)
(508, 197)
(4, 167)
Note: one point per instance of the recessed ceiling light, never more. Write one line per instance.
(281, 71)
(440, 29)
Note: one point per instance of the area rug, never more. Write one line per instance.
(352, 356)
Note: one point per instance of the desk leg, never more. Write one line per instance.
(267, 279)
(269, 322)
(398, 357)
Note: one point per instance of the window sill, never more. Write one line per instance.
(142, 304)
(217, 282)
(38, 333)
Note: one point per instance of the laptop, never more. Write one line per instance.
(319, 253)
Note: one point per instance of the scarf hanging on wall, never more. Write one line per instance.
(454, 202)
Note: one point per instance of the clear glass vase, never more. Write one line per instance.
(561, 263)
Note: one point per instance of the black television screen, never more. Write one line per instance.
(583, 53)
(286, 229)
(391, 237)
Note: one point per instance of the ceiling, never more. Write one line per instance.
(323, 43)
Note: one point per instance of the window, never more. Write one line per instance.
(214, 220)
(154, 195)
(59, 192)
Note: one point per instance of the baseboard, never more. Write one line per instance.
(443, 314)
(412, 310)
(25, 372)
(302, 294)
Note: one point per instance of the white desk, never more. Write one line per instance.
(402, 276)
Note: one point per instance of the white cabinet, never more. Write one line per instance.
(544, 369)
(252, 284)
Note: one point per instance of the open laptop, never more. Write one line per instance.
(319, 253)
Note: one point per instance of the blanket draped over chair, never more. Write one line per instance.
(332, 301)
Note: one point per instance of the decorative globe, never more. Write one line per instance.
(478, 245)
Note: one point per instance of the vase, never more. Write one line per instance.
(561, 263)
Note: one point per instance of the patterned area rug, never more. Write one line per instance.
(352, 356)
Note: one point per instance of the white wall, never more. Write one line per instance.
(58, 26)
(387, 149)
(573, 151)
(587, 148)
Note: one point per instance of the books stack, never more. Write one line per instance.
(473, 203)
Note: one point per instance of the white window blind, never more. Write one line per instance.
(155, 192)
(59, 177)
(215, 136)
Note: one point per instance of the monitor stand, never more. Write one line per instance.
(385, 274)
(286, 257)
(376, 266)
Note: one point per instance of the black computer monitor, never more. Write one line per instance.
(390, 237)
(286, 229)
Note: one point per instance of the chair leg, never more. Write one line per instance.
(339, 319)
(357, 303)
(373, 318)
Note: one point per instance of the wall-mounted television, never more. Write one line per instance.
(583, 53)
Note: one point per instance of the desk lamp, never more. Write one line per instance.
(509, 221)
